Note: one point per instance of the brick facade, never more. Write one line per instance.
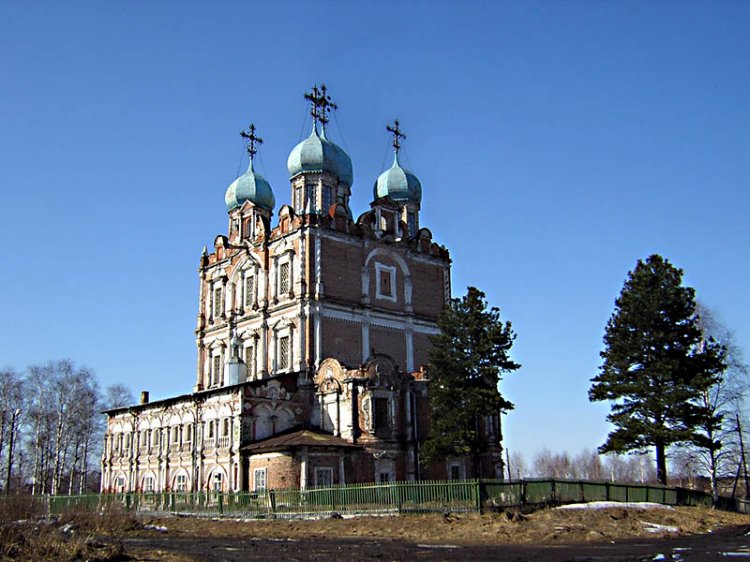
(319, 321)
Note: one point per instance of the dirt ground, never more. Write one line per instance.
(550, 535)
(547, 535)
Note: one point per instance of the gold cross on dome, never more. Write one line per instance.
(252, 140)
(397, 133)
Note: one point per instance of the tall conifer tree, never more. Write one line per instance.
(656, 364)
(466, 363)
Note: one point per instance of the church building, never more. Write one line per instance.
(313, 334)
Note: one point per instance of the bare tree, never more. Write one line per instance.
(715, 452)
(12, 408)
(118, 396)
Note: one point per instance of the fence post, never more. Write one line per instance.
(583, 496)
(606, 491)
(553, 491)
(221, 502)
(272, 501)
(478, 491)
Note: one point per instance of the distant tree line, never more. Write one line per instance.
(51, 428)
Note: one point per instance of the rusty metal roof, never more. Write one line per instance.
(296, 439)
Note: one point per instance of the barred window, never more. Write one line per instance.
(411, 222)
(284, 352)
(249, 290)
(298, 205)
(217, 302)
(249, 356)
(284, 278)
(188, 435)
(216, 369)
(225, 428)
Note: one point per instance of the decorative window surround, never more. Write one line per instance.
(385, 282)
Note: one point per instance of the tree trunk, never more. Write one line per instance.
(661, 463)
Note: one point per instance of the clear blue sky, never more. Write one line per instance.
(556, 142)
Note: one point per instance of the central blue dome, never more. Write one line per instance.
(317, 154)
(399, 184)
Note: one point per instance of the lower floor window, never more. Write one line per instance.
(180, 483)
(148, 484)
(259, 479)
(323, 476)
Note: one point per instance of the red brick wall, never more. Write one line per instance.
(390, 342)
(281, 472)
(341, 271)
(428, 297)
(342, 340)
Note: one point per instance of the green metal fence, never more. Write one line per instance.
(396, 497)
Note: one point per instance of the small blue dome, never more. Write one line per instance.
(398, 183)
(252, 187)
(317, 154)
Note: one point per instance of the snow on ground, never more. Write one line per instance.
(616, 505)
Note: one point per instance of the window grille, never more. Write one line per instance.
(284, 278)
(298, 205)
(249, 291)
(216, 369)
(249, 356)
(284, 352)
(218, 308)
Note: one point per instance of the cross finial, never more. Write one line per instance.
(252, 140)
(320, 104)
(397, 135)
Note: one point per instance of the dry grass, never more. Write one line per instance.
(542, 527)
(25, 535)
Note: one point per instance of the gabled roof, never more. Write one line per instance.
(299, 438)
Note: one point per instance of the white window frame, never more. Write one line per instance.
(149, 483)
(264, 486)
(380, 270)
(180, 482)
(319, 470)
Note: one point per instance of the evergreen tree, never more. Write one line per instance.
(656, 364)
(466, 363)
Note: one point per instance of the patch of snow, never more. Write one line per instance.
(656, 528)
(159, 528)
(437, 546)
(616, 505)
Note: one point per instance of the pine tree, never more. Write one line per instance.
(656, 364)
(466, 363)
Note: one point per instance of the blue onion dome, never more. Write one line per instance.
(317, 154)
(250, 186)
(399, 184)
